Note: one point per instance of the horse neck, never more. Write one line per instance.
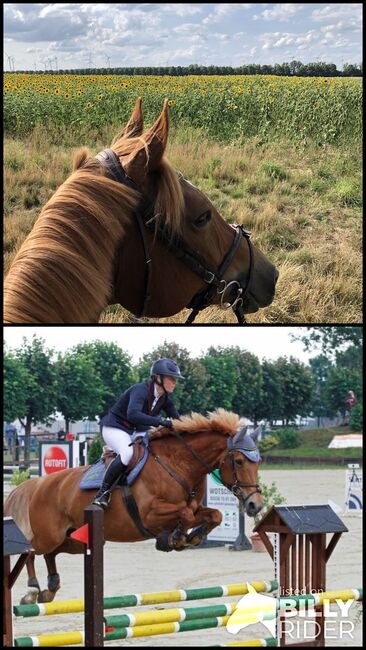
(208, 445)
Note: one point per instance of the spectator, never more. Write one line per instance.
(61, 435)
(70, 436)
(16, 447)
(11, 432)
(349, 403)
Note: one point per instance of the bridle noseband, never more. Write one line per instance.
(191, 258)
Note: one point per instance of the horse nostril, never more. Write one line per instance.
(276, 274)
(251, 509)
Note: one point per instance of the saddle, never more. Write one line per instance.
(93, 475)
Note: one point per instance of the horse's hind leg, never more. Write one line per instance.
(53, 579)
(33, 585)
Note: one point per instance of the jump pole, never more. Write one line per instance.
(92, 534)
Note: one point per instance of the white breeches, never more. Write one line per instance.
(119, 441)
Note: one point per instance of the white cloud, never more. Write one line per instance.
(220, 37)
(281, 39)
(222, 10)
(348, 12)
(187, 28)
(181, 9)
(281, 12)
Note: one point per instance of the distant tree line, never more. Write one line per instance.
(85, 381)
(294, 68)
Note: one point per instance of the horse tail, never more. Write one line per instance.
(17, 506)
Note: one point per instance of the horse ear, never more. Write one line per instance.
(139, 164)
(254, 434)
(135, 124)
(240, 435)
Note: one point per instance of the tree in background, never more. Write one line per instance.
(223, 376)
(332, 339)
(339, 382)
(39, 387)
(248, 393)
(16, 385)
(112, 366)
(79, 388)
(320, 368)
(296, 382)
(343, 345)
(270, 406)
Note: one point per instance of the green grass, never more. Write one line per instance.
(314, 444)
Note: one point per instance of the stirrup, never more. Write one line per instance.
(103, 500)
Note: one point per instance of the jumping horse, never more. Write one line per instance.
(167, 494)
(126, 228)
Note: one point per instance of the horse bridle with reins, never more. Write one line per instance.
(191, 258)
(235, 488)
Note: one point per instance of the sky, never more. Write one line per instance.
(264, 342)
(68, 35)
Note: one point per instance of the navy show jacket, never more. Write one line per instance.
(133, 412)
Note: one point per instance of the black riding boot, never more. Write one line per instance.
(103, 495)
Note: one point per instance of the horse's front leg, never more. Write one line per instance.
(207, 519)
(172, 537)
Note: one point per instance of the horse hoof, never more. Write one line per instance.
(162, 543)
(194, 541)
(46, 596)
(30, 598)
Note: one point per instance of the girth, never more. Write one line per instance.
(146, 220)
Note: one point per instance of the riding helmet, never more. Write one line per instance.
(166, 367)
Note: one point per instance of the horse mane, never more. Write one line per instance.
(218, 421)
(76, 236)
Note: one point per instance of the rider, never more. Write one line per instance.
(137, 409)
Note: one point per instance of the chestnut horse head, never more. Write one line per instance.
(126, 228)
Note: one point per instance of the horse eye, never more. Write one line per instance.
(203, 219)
(239, 462)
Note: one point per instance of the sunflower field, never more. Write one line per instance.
(228, 108)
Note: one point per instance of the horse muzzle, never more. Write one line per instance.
(257, 298)
(251, 503)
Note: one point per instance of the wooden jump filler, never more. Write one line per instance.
(301, 555)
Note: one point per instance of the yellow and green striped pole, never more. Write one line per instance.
(154, 598)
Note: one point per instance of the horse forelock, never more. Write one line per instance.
(169, 199)
(218, 421)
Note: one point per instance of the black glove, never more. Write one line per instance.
(166, 422)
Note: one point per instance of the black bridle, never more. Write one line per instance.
(191, 258)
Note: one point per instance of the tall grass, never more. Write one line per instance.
(301, 204)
